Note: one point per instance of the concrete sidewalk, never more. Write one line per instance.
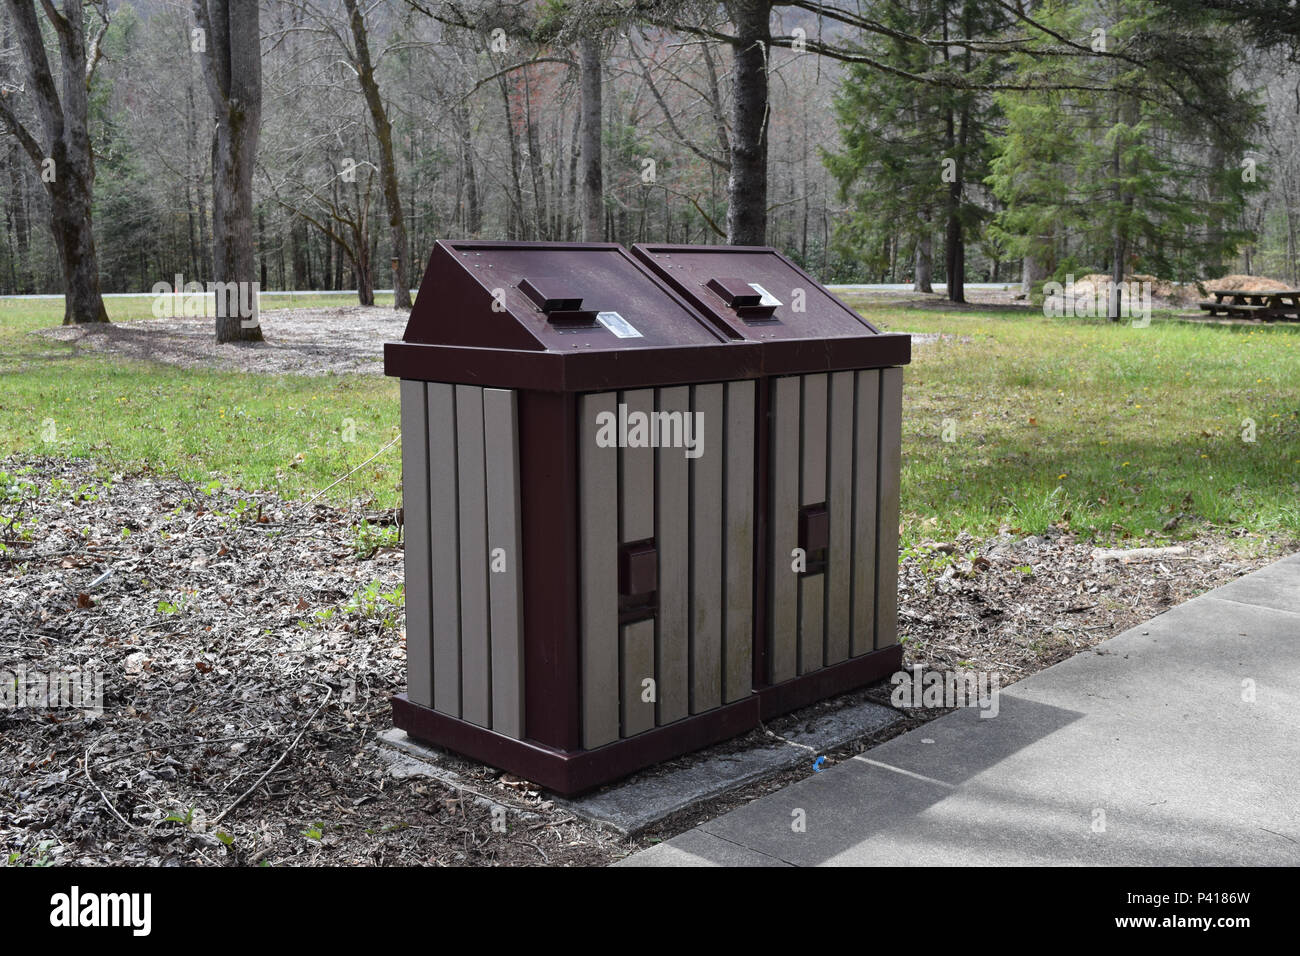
(1148, 750)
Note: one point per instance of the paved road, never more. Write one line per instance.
(1151, 750)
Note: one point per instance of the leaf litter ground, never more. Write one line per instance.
(248, 647)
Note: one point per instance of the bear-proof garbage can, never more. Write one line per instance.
(606, 477)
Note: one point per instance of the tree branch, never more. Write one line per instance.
(38, 65)
(96, 51)
(28, 142)
(207, 67)
(57, 19)
(672, 123)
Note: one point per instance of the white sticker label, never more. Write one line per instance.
(768, 298)
(618, 325)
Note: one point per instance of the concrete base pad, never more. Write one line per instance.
(408, 757)
(644, 799)
(640, 801)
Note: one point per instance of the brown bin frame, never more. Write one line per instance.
(549, 385)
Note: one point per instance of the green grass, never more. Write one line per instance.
(1110, 430)
(283, 433)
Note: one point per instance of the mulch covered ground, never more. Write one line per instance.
(248, 647)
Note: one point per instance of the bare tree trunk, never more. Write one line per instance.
(365, 276)
(71, 225)
(954, 253)
(747, 182)
(555, 184)
(473, 206)
(387, 164)
(715, 109)
(232, 61)
(573, 197)
(337, 254)
(516, 223)
(1031, 271)
(192, 258)
(953, 263)
(924, 255)
(803, 228)
(1215, 232)
(1290, 239)
(534, 161)
(593, 192)
(16, 212)
(194, 181)
(64, 163)
(205, 240)
(1118, 251)
(363, 256)
(1120, 246)
(954, 238)
(261, 247)
(297, 265)
(20, 222)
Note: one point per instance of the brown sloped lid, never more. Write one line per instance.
(548, 296)
(557, 317)
(755, 294)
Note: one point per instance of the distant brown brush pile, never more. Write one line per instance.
(1175, 294)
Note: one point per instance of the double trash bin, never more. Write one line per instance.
(650, 499)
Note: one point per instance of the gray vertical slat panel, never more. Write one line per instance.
(812, 469)
(444, 547)
(864, 512)
(839, 502)
(812, 490)
(599, 641)
(501, 454)
(637, 662)
(812, 609)
(891, 459)
(673, 540)
(784, 585)
(415, 552)
(471, 485)
(738, 558)
(707, 567)
(636, 511)
(812, 622)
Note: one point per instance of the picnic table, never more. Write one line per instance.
(1269, 305)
